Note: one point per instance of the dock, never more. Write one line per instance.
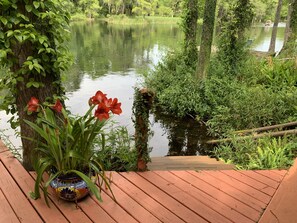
(171, 196)
(188, 163)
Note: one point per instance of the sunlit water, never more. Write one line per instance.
(113, 58)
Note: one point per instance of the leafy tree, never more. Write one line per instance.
(143, 8)
(31, 46)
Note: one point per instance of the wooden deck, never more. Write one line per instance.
(154, 196)
(188, 163)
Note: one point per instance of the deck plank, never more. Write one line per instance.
(187, 163)
(259, 195)
(19, 203)
(169, 202)
(145, 200)
(216, 193)
(250, 181)
(261, 178)
(280, 172)
(93, 210)
(26, 184)
(271, 175)
(283, 208)
(193, 197)
(230, 190)
(132, 207)
(6, 212)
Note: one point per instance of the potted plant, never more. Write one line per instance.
(65, 147)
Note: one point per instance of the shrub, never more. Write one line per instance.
(264, 153)
(176, 90)
(117, 152)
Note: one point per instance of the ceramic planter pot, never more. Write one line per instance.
(71, 188)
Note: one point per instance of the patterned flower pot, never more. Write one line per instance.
(71, 188)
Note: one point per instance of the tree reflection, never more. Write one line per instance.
(100, 49)
(186, 136)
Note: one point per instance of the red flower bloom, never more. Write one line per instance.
(115, 107)
(58, 106)
(102, 111)
(33, 104)
(98, 98)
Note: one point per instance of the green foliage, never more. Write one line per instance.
(232, 52)
(189, 26)
(263, 94)
(37, 31)
(264, 153)
(176, 94)
(117, 153)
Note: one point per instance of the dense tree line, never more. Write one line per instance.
(264, 9)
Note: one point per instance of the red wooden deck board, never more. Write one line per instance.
(132, 207)
(115, 210)
(250, 181)
(190, 195)
(97, 214)
(218, 194)
(15, 197)
(26, 184)
(283, 206)
(6, 212)
(280, 172)
(261, 178)
(271, 175)
(161, 212)
(166, 200)
(259, 195)
(158, 196)
(230, 190)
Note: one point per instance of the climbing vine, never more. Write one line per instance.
(143, 100)
(232, 39)
(189, 25)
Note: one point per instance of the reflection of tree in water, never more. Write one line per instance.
(186, 136)
(99, 48)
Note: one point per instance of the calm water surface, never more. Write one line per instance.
(112, 59)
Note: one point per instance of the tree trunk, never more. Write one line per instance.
(289, 47)
(288, 30)
(206, 38)
(274, 29)
(190, 30)
(21, 51)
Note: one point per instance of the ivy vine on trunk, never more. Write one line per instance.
(32, 46)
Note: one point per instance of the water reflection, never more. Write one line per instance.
(185, 136)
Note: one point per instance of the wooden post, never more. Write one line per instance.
(143, 100)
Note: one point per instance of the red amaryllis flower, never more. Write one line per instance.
(33, 104)
(102, 112)
(58, 106)
(115, 107)
(98, 98)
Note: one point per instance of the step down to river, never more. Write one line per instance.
(187, 163)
